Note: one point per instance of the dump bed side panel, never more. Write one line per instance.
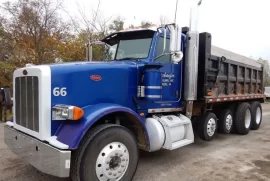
(226, 76)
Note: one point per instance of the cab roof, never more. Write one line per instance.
(150, 29)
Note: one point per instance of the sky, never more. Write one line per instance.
(241, 26)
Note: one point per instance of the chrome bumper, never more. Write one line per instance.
(42, 156)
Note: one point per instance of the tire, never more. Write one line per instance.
(106, 152)
(207, 126)
(225, 122)
(256, 115)
(243, 118)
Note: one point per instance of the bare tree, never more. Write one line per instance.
(117, 24)
(93, 25)
(163, 20)
(146, 24)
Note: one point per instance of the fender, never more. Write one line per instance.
(72, 132)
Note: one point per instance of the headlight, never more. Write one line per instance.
(66, 112)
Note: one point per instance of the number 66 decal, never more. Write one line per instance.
(57, 91)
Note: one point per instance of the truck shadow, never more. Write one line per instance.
(197, 145)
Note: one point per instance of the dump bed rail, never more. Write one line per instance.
(226, 76)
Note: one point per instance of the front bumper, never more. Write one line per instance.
(42, 156)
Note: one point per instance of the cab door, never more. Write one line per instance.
(170, 72)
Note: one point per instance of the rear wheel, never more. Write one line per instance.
(256, 115)
(207, 126)
(109, 152)
(225, 122)
(243, 118)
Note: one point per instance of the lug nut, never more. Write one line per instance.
(110, 173)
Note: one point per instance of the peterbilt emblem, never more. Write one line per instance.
(95, 77)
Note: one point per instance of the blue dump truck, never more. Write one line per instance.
(156, 87)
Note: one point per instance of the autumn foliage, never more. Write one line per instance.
(32, 31)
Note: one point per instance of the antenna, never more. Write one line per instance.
(175, 11)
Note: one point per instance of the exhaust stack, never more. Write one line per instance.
(191, 61)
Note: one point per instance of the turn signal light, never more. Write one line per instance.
(77, 113)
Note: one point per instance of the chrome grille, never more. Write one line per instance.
(27, 102)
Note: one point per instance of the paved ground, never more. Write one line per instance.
(228, 157)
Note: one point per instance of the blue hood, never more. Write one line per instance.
(118, 83)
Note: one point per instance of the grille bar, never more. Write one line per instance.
(27, 102)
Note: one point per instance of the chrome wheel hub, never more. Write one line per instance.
(211, 127)
(247, 118)
(258, 115)
(112, 162)
(228, 122)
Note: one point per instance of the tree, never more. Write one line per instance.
(36, 28)
(5, 42)
(266, 76)
(145, 24)
(163, 20)
(117, 24)
(6, 71)
(6, 49)
(91, 28)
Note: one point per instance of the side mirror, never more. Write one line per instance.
(89, 49)
(175, 43)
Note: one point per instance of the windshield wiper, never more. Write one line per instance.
(128, 58)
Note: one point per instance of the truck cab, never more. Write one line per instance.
(146, 48)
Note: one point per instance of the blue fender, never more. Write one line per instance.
(72, 132)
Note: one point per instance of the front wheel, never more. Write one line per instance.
(207, 126)
(109, 152)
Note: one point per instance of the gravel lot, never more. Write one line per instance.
(228, 157)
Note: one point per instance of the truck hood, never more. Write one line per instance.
(89, 83)
(95, 63)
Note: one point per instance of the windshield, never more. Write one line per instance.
(131, 45)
